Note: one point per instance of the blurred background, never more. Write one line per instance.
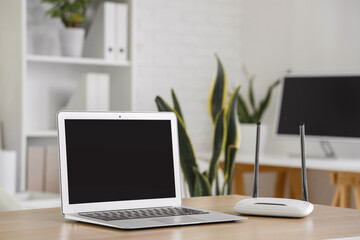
(167, 45)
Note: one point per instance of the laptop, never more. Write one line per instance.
(122, 170)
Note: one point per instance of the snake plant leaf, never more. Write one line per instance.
(187, 154)
(177, 105)
(251, 93)
(198, 190)
(204, 183)
(217, 187)
(162, 105)
(250, 79)
(218, 144)
(233, 133)
(217, 96)
(243, 111)
(232, 149)
(265, 102)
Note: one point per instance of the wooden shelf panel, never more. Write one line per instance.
(73, 60)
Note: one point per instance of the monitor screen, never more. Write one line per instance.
(116, 160)
(328, 105)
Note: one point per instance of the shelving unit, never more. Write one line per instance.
(41, 81)
(78, 61)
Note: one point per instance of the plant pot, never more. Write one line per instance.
(248, 138)
(72, 41)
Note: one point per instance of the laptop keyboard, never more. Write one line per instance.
(142, 213)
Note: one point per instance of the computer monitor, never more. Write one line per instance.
(329, 105)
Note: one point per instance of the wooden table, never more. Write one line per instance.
(293, 175)
(343, 172)
(324, 222)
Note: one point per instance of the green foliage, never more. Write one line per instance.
(187, 155)
(254, 113)
(217, 98)
(232, 140)
(218, 144)
(71, 12)
(225, 138)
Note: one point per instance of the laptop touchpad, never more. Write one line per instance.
(178, 220)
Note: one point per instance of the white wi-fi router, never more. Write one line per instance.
(278, 207)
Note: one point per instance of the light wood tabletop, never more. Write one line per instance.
(324, 223)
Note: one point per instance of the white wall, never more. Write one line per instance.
(303, 35)
(176, 40)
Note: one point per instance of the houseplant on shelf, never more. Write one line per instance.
(250, 113)
(225, 138)
(72, 13)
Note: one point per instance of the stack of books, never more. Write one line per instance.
(43, 169)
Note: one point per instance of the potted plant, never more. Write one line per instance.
(250, 113)
(72, 14)
(226, 136)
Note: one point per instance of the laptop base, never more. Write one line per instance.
(133, 224)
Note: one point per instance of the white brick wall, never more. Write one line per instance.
(176, 40)
(175, 46)
(304, 35)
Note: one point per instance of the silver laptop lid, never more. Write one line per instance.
(115, 160)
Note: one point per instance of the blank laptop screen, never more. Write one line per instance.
(115, 160)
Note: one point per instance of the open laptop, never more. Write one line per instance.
(122, 170)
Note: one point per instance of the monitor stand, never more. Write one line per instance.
(328, 149)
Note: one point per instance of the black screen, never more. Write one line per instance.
(329, 106)
(115, 160)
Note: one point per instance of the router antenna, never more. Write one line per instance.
(303, 165)
(256, 166)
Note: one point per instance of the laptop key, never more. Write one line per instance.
(142, 213)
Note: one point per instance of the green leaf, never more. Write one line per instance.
(198, 191)
(204, 183)
(72, 14)
(233, 135)
(218, 192)
(231, 158)
(232, 120)
(251, 93)
(217, 96)
(265, 102)
(187, 154)
(219, 137)
(162, 105)
(243, 111)
(177, 105)
(54, 13)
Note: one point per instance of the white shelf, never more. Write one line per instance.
(73, 60)
(44, 133)
(45, 83)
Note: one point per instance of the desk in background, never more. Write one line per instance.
(344, 173)
(324, 222)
